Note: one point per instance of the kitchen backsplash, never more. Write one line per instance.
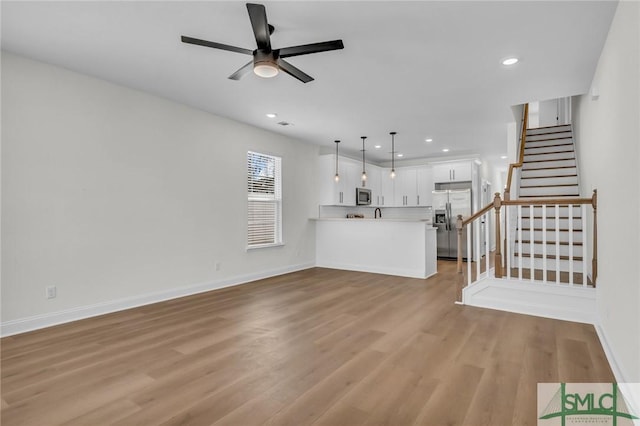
(417, 213)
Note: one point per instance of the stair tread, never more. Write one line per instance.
(552, 229)
(562, 243)
(550, 196)
(548, 139)
(547, 177)
(548, 186)
(549, 127)
(551, 159)
(551, 217)
(549, 256)
(549, 153)
(548, 168)
(546, 146)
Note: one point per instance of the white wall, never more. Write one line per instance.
(110, 194)
(607, 139)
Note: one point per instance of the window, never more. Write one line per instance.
(264, 191)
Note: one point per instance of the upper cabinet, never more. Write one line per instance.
(406, 192)
(343, 192)
(458, 171)
(424, 185)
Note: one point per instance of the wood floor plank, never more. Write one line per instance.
(319, 346)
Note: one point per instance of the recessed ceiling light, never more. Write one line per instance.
(400, 155)
(378, 146)
(272, 115)
(445, 149)
(510, 61)
(504, 157)
(428, 140)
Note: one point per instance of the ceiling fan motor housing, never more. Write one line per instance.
(265, 63)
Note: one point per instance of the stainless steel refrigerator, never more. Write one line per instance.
(450, 200)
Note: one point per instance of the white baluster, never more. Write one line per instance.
(487, 223)
(469, 253)
(557, 243)
(477, 252)
(532, 250)
(519, 242)
(585, 244)
(507, 237)
(544, 243)
(570, 207)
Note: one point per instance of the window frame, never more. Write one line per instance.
(264, 185)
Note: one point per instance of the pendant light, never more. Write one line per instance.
(337, 176)
(393, 155)
(364, 172)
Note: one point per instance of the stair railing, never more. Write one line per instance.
(518, 165)
(505, 263)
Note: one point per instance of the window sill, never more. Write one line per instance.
(261, 246)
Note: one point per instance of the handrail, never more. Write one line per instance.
(477, 214)
(523, 136)
(497, 204)
(547, 201)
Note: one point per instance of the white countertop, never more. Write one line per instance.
(368, 219)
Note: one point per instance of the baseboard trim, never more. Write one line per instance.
(409, 273)
(608, 351)
(36, 322)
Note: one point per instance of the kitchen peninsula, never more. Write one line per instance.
(404, 247)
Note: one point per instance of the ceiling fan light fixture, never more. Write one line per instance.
(265, 69)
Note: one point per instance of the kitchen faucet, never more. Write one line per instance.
(375, 213)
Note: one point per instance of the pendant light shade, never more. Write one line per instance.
(393, 155)
(364, 171)
(337, 176)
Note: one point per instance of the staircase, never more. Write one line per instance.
(548, 172)
(546, 262)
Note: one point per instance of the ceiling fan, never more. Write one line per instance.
(267, 62)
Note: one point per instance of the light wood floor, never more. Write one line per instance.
(321, 347)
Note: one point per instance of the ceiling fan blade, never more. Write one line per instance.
(293, 71)
(242, 71)
(258, 17)
(205, 43)
(306, 49)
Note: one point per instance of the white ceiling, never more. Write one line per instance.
(423, 69)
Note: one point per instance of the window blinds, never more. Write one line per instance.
(264, 190)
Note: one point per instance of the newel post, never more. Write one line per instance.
(460, 277)
(497, 261)
(594, 261)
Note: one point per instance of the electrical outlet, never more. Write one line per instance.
(51, 292)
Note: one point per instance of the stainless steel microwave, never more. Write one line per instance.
(363, 196)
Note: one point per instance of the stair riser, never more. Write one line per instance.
(547, 136)
(551, 264)
(567, 180)
(536, 131)
(549, 164)
(546, 157)
(551, 236)
(551, 249)
(551, 191)
(551, 223)
(548, 172)
(548, 149)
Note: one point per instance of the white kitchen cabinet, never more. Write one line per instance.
(457, 171)
(424, 184)
(405, 191)
(343, 192)
(373, 183)
(386, 188)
